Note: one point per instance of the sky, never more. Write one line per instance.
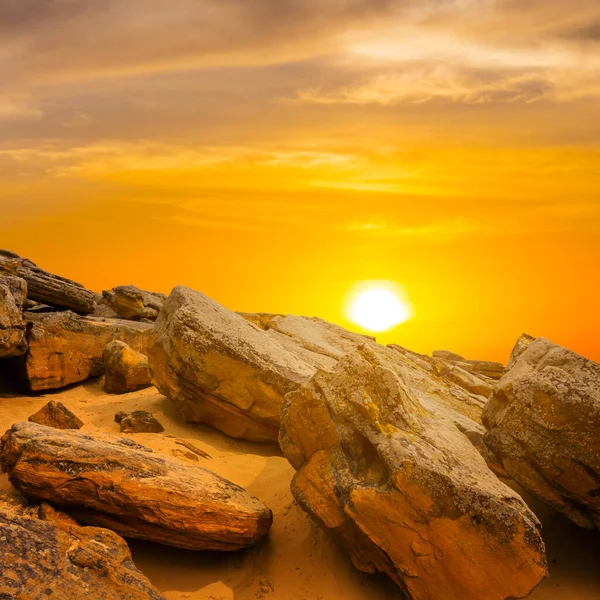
(275, 153)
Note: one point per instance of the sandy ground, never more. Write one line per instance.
(298, 561)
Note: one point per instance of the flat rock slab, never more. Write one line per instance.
(115, 483)
(403, 489)
(56, 558)
(57, 415)
(544, 426)
(65, 348)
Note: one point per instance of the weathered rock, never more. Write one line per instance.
(56, 558)
(220, 369)
(112, 482)
(46, 287)
(13, 341)
(139, 421)
(65, 348)
(57, 415)
(130, 302)
(125, 369)
(544, 426)
(404, 490)
(522, 344)
(468, 381)
(447, 355)
(481, 368)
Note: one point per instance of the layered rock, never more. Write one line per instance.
(125, 370)
(57, 415)
(55, 557)
(46, 287)
(112, 482)
(481, 368)
(13, 340)
(544, 426)
(521, 345)
(138, 421)
(403, 489)
(65, 348)
(129, 302)
(221, 369)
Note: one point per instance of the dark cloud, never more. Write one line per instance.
(584, 32)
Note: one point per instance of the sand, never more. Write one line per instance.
(298, 561)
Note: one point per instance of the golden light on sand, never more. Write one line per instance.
(378, 305)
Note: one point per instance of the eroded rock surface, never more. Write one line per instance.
(480, 368)
(56, 558)
(65, 348)
(544, 426)
(125, 370)
(521, 345)
(113, 482)
(13, 340)
(46, 287)
(129, 302)
(403, 489)
(138, 421)
(57, 415)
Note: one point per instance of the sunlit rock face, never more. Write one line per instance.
(125, 370)
(403, 489)
(13, 292)
(544, 426)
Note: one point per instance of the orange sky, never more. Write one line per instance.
(273, 153)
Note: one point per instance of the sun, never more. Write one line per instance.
(378, 305)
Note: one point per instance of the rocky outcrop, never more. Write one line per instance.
(57, 415)
(522, 344)
(53, 557)
(130, 302)
(112, 482)
(480, 368)
(65, 348)
(404, 490)
(13, 341)
(139, 421)
(125, 370)
(46, 287)
(471, 383)
(544, 426)
(219, 368)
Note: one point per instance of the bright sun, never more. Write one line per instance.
(378, 305)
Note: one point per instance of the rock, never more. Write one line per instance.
(65, 348)
(219, 368)
(57, 415)
(104, 311)
(520, 347)
(544, 426)
(447, 355)
(13, 340)
(480, 368)
(56, 558)
(468, 381)
(139, 421)
(112, 482)
(130, 302)
(125, 369)
(404, 490)
(48, 288)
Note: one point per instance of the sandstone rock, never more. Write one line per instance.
(220, 369)
(13, 341)
(46, 287)
(57, 415)
(544, 425)
(468, 381)
(125, 369)
(404, 490)
(139, 421)
(57, 558)
(65, 348)
(447, 355)
(520, 347)
(112, 482)
(481, 368)
(130, 302)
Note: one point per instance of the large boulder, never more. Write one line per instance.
(544, 426)
(53, 557)
(125, 370)
(129, 302)
(112, 482)
(403, 489)
(65, 348)
(46, 287)
(13, 340)
(221, 369)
